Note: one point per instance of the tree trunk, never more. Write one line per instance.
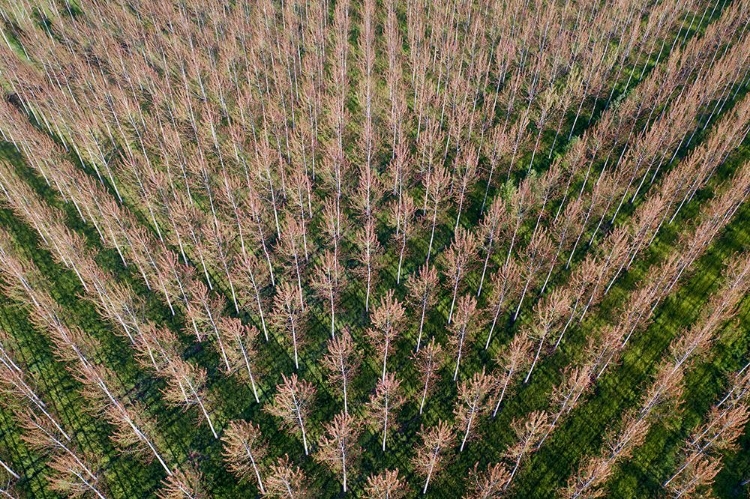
(484, 267)
(466, 435)
(432, 234)
(502, 395)
(249, 372)
(294, 342)
(421, 323)
(536, 358)
(255, 468)
(304, 435)
(10, 471)
(429, 474)
(333, 312)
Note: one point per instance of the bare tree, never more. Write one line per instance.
(327, 283)
(334, 226)
(72, 477)
(251, 277)
(186, 386)
(338, 448)
(565, 396)
(619, 444)
(206, 313)
(632, 433)
(699, 471)
(594, 470)
(369, 247)
(435, 189)
(182, 484)
(244, 450)
(457, 260)
(465, 172)
(386, 400)
(71, 473)
(703, 449)
(430, 456)
(538, 253)
(301, 188)
(387, 319)
(512, 359)
(422, 286)
(489, 483)
(15, 386)
(292, 403)
(387, 485)
(288, 316)
(256, 212)
(463, 329)
(472, 403)
(132, 427)
(243, 356)
(549, 314)
(287, 481)
(528, 433)
(342, 363)
(491, 227)
(402, 216)
(292, 243)
(506, 285)
(428, 361)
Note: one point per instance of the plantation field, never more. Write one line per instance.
(374, 249)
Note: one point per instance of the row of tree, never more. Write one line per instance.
(666, 390)
(262, 182)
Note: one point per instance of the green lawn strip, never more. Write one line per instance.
(655, 461)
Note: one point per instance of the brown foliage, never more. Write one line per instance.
(287, 316)
(244, 450)
(430, 456)
(385, 403)
(183, 484)
(387, 319)
(292, 404)
(287, 481)
(387, 485)
(428, 360)
(422, 287)
(489, 483)
(342, 362)
(512, 359)
(472, 403)
(338, 449)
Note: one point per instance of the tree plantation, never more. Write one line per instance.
(377, 249)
